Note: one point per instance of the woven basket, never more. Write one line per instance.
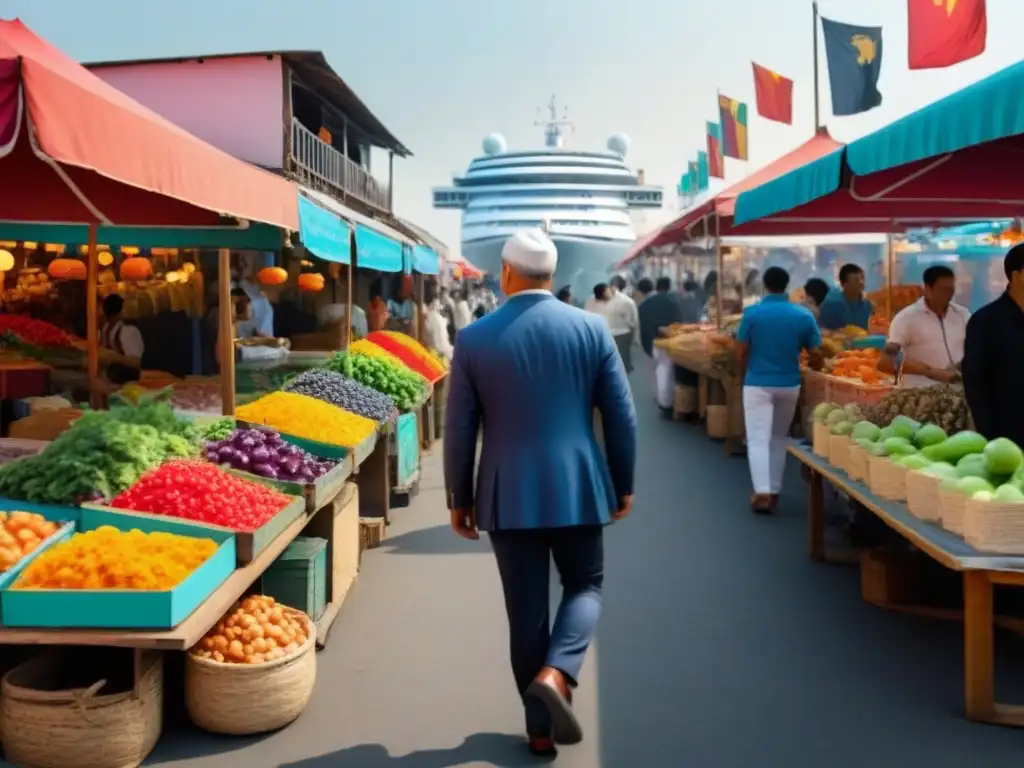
(820, 437)
(685, 401)
(886, 478)
(82, 728)
(923, 496)
(994, 526)
(718, 422)
(241, 699)
(952, 505)
(856, 462)
(839, 450)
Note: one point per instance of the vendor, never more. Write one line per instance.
(927, 337)
(123, 339)
(848, 305)
(377, 311)
(261, 310)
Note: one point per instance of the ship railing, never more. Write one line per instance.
(321, 166)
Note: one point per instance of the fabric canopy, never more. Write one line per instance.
(377, 251)
(83, 152)
(701, 220)
(953, 160)
(325, 234)
(424, 260)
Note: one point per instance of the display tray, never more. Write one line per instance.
(123, 608)
(248, 544)
(316, 494)
(54, 512)
(8, 576)
(327, 450)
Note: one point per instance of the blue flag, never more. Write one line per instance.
(854, 63)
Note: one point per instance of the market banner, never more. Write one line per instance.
(424, 260)
(324, 234)
(377, 251)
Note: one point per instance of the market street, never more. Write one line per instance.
(721, 645)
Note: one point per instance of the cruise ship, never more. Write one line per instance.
(582, 199)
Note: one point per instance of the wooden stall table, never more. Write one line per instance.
(699, 361)
(981, 571)
(373, 476)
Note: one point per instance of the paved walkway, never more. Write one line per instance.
(721, 646)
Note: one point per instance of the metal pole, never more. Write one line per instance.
(720, 266)
(349, 275)
(92, 330)
(226, 332)
(889, 269)
(814, 37)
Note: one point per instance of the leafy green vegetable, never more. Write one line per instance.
(406, 388)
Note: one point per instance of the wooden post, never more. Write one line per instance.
(226, 334)
(418, 292)
(889, 269)
(350, 273)
(814, 38)
(92, 331)
(979, 671)
(720, 266)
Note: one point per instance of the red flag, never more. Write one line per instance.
(716, 160)
(945, 32)
(774, 95)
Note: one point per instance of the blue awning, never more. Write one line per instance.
(816, 179)
(326, 235)
(376, 251)
(255, 237)
(424, 260)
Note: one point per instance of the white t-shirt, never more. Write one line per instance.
(436, 332)
(619, 312)
(924, 337)
(123, 338)
(463, 315)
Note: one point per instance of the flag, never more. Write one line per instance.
(693, 177)
(702, 171)
(774, 95)
(733, 115)
(854, 57)
(684, 185)
(945, 32)
(716, 161)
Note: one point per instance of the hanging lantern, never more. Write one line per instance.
(311, 282)
(136, 268)
(272, 276)
(104, 258)
(66, 269)
(6, 261)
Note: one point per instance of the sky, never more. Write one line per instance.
(443, 74)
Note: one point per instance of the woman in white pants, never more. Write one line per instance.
(768, 344)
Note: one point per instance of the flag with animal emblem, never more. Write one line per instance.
(733, 117)
(942, 33)
(716, 160)
(854, 57)
(774, 95)
(702, 171)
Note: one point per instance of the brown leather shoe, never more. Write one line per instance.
(552, 689)
(761, 503)
(542, 746)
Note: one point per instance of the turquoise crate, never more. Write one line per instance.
(12, 573)
(298, 578)
(53, 512)
(123, 608)
(875, 341)
(407, 448)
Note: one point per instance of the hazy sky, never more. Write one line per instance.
(442, 74)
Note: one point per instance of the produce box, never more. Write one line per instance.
(407, 448)
(54, 512)
(8, 576)
(248, 544)
(123, 608)
(298, 577)
(317, 493)
(328, 450)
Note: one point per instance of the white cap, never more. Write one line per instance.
(532, 252)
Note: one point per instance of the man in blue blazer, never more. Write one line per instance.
(530, 375)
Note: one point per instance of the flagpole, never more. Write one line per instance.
(817, 104)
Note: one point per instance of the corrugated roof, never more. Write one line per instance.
(313, 69)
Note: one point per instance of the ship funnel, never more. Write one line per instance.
(640, 176)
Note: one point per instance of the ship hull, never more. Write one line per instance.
(582, 263)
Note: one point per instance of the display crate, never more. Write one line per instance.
(57, 513)
(298, 578)
(317, 493)
(407, 449)
(326, 450)
(123, 608)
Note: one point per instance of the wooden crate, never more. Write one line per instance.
(371, 532)
(338, 522)
(298, 578)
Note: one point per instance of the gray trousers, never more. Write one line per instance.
(625, 345)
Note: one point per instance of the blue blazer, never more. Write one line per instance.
(530, 375)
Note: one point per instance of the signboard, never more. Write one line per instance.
(407, 446)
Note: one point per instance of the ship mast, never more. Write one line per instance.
(554, 129)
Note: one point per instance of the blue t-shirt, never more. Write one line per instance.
(776, 331)
(836, 312)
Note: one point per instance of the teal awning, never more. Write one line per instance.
(255, 237)
(802, 185)
(377, 251)
(325, 234)
(987, 110)
(424, 260)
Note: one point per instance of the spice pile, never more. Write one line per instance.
(428, 356)
(415, 358)
(308, 418)
(107, 558)
(345, 393)
(203, 493)
(264, 452)
(258, 631)
(20, 534)
(405, 388)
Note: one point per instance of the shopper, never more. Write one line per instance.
(656, 312)
(530, 375)
(564, 295)
(926, 339)
(623, 319)
(993, 367)
(815, 293)
(770, 338)
(846, 306)
(463, 314)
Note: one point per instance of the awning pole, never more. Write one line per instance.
(720, 266)
(417, 281)
(226, 332)
(817, 99)
(349, 274)
(889, 270)
(92, 329)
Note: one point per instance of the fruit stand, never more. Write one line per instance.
(914, 462)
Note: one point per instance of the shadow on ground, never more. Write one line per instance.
(438, 540)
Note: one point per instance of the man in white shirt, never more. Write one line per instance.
(463, 314)
(623, 320)
(928, 336)
(123, 339)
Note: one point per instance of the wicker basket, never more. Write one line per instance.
(820, 437)
(685, 401)
(241, 699)
(839, 450)
(80, 728)
(923, 496)
(994, 526)
(718, 422)
(952, 505)
(887, 479)
(856, 462)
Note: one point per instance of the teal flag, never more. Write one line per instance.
(702, 171)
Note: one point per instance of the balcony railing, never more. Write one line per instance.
(322, 166)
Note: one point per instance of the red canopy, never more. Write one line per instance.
(76, 150)
(700, 221)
